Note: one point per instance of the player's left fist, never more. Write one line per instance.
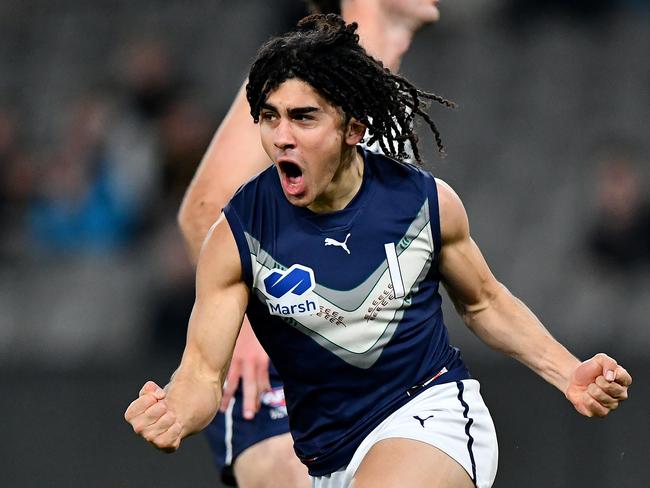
(598, 385)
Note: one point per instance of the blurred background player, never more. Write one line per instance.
(253, 443)
(619, 236)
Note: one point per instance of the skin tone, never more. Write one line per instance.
(405, 462)
(303, 134)
(386, 27)
(188, 403)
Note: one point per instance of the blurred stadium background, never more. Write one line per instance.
(106, 107)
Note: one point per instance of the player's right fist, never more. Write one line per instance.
(151, 418)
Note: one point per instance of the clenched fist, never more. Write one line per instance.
(598, 385)
(151, 418)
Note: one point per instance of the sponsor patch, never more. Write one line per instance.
(290, 293)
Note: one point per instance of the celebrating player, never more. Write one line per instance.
(249, 436)
(375, 393)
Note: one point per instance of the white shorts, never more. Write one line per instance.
(452, 417)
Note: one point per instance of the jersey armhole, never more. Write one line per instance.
(239, 234)
(434, 217)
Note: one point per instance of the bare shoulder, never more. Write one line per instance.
(219, 262)
(454, 225)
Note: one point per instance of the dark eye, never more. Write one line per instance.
(267, 115)
(303, 117)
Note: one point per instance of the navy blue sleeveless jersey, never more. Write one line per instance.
(346, 303)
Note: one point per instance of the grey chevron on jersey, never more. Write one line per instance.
(348, 300)
(356, 324)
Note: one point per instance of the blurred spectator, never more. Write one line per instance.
(16, 187)
(620, 234)
(185, 134)
(80, 206)
(146, 89)
(158, 134)
(156, 140)
(149, 80)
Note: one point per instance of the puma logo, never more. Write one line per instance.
(332, 242)
(422, 420)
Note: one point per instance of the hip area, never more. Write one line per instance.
(450, 417)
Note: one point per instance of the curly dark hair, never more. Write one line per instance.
(325, 53)
(324, 6)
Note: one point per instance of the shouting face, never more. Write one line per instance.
(312, 146)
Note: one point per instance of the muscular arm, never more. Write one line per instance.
(506, 324)
(192, 397)
(221, 298)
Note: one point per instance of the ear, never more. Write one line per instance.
(354, 132)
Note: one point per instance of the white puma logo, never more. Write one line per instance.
(331, 242)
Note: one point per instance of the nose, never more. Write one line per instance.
(283, 136)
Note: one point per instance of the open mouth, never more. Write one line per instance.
(292, 177)
(290, 170)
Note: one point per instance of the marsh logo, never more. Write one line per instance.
(291, 292)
